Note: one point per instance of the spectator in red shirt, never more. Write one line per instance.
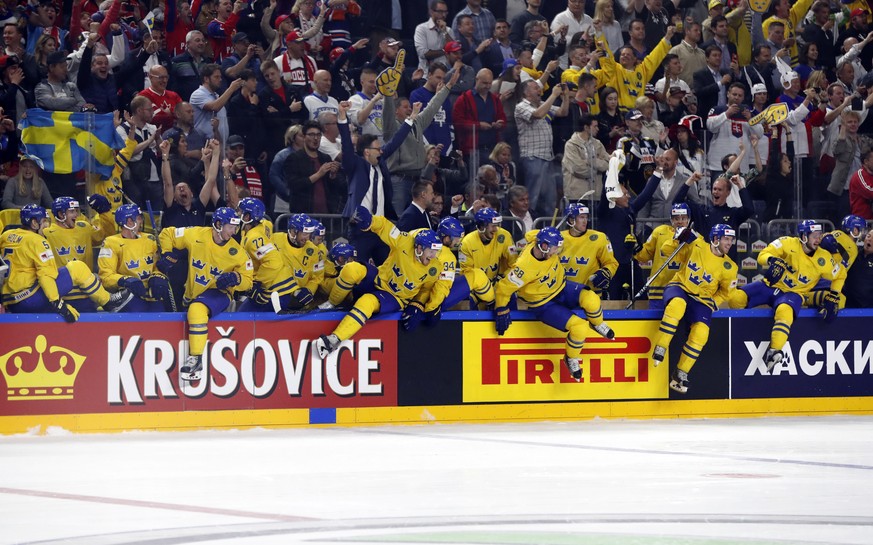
(478, 117)
(164, 100)
(861, 188)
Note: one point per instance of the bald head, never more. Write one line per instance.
(158, 78)
(322, 81)
(483, 81)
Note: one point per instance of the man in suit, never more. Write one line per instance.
(369, 180)
(721, 39)
(670, 184)
(416, 216)
(501, 48)
(710, 84)
(760, 71)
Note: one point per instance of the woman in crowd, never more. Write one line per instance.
(605, 11)
(611, 125)
(45, 46)
(652, 128)
(27, 187)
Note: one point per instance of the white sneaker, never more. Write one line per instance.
(325, 345)
(773, 357)
(573, 364)
(605, 331)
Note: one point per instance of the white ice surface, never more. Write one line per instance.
(797, 480)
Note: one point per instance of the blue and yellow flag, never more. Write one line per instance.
(67, 142)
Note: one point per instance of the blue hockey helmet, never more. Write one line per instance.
(223, 216)
(62, 204)
(721, 230)
(450, 227)
(342, 250)
(807, 227)
(253, 207)
(852, 222)
(320, 229)
(428, 240)
(485, 216)
(679, 209)
(32, 212)
(576, 208)
(126, 212)
(301, 223)
(551, 237)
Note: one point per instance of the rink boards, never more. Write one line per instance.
(116, 373)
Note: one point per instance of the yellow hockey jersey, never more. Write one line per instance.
(435, 289)
(31, 266)
(494, 258)
(804, 271)
(631, 84)
(77, 243)
(402, 274)
(121, 257)
(652, 250)
(208, 260)
(111, 187)
(704, 276)
(584, 255)
(537, 282)
(300, 265)
(848, 243)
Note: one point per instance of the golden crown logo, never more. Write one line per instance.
(33, 378)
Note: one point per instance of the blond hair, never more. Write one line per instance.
(499, 148)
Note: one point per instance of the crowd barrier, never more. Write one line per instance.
(120, 372)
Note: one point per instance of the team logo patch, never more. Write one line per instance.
(727, 265)
(432, 271)
(821, 261)
(592, 238)
(500, 238)
(309, 251)
(233, 251)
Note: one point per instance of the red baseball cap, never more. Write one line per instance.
(279, 20)
(858, 12)
(452, 47)
(294, 36)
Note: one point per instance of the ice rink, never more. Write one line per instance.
(603, 482)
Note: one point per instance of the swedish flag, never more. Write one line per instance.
(67, 142)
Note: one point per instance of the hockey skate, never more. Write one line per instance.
(773, 357)
(573, 364)
(679, 382)
(327, 305)
(658, 355)
(191, 370)
(604, 330)
(118, 300)
(326, 344)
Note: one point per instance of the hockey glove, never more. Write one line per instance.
(829, 243)
(227, 280)
(502, 319)
(99, 203)
(685, 235)
(830, 306)
(433, 317)
(775, 270)
(630, 242)
(68, 313)
(600, 279)
(159, 287)
(412, 316)
(133, 284)
(167, 261)
(363, 218)
(304, 296)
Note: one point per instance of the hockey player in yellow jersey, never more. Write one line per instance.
(412, 263)
(340, 256)
(111, 188)
(35, 283)
(294, 288)
(128, 260)
(217, 267)
(827, 296)
(794, 267)
(489, 248)
(587, 254)
(706, 279)
(318, 239)
(472, 284)
(267, 262)
(72, 238)
(653, 250)
(538, 278)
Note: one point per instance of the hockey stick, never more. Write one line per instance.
(652, 278)
(564, 219)
(158, 241)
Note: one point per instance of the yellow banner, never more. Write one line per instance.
(527, 364)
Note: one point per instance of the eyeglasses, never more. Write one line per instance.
(313, 134)
(375, 149)
(440, 11)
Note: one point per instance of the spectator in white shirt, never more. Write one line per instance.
(432, 35)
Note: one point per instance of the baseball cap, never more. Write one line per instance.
(56, 57)
(858, 11)
(294, 36)
(633, 114)
(508, 64)
(759, 88)
(716, 3)
(391, 42)
(676, 91)
(8, 60)
(239, 37)
(279, 20)
(235, 140)
(452, 47)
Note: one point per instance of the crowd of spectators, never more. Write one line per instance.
(512, 104)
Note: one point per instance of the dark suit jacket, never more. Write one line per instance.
(492, 57)
(357, 170)
(412, 218)
(297, 169)
(706, 89)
